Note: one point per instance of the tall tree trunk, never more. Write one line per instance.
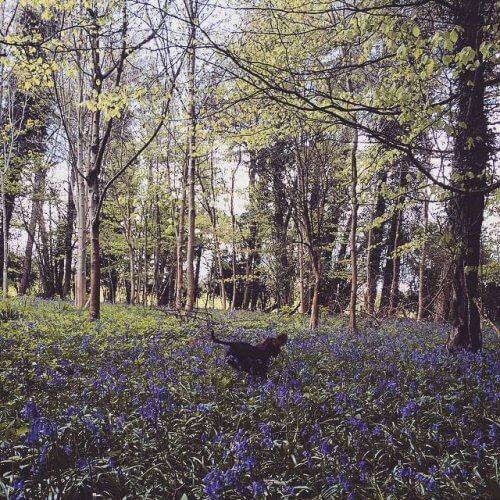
(68, 246)
(81, 258)
(95, 256)
(374, 251)
(233, 241)
(63, 241)
(132, 277)
(180, 241)
(46, 268)
(5, 237)
(470, 157)
(352, 240)
(191, 243)
(421, 265)
(442, 300)
(36, 208)
(303, 307)
(92, 180)
(218, 257)
(390, 284)
(316, 272)
(251, 257)
(396, 270)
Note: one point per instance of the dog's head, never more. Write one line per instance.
(277, 343)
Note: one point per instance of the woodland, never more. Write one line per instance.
(176, 174)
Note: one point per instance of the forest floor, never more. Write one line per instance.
(143, 405)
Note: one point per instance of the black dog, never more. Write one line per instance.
(252, 359)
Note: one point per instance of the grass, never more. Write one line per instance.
(140, 405)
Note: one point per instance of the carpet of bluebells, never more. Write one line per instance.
(140, 405)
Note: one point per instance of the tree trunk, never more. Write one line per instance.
(390, 284)
(92, 180)
(374, 252)
(5, 238)
(249, 266)
(354, 225)
(233, 241)
(36, 207)
(95, 257)
(470, 157)
(191, 243)
(81, 262)
(46, 268)
(132, 277)
(421, 266)
(180, 241)
(315, 268)
(302, 292)
(68, 246)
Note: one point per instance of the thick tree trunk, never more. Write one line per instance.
(92, 180)
(471, 153)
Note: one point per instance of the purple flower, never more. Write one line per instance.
(213, 483)
(30, 411)
(39, 429)
(257, 488)
(325, 448)
(409, 409)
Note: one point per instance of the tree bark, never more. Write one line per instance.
(421, 266)
(315, 267)
(191, 243)
(302, 292)
(95, 257)
(36, 208)
(354, 225)
(374, 251)
(470, 157)
(68, 244)
(249, 265)
(180, 241)
(233, 241)
(390, 285)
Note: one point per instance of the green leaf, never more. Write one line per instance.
(22, 430)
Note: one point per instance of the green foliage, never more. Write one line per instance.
(139, 405)
(10, 310)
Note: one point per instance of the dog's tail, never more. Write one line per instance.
(216, 340)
